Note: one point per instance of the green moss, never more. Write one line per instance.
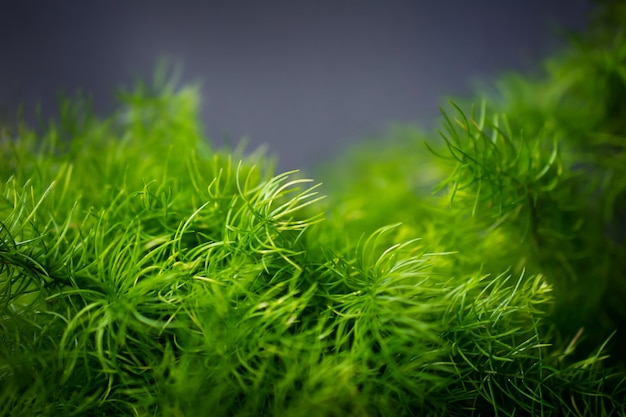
(143, 272)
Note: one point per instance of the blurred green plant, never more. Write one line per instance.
(535, 175)
(144, 273)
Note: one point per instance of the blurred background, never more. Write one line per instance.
(304, 78)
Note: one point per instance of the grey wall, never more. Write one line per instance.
(305, 78)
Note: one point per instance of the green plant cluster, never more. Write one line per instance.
(145, 273)
(534, 175)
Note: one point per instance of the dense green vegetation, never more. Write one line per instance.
(145, 273)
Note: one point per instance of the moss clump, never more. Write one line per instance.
(144, 273)
(534, 176)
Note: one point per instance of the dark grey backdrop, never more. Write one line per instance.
(305, 78)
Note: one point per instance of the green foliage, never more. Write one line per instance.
(144, 273)
(535, 178)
